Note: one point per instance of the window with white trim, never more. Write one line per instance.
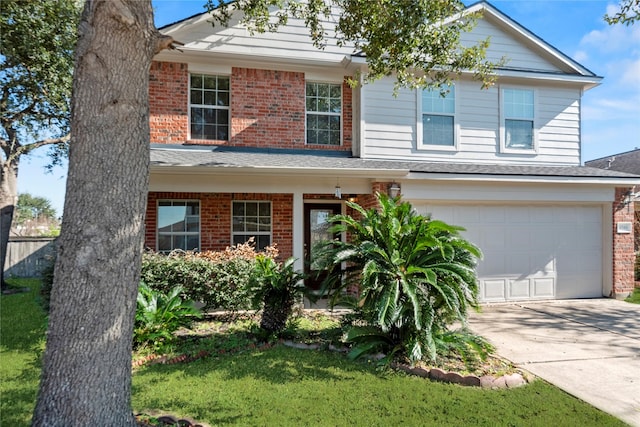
(518, 119)
(438, 117)
(252, 219)
(323, 113)
(178, 225)
(209, 106)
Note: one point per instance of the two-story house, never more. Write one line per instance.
(259, 136)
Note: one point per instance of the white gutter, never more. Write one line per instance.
(608, 181)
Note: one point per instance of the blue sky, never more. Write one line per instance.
(611, 111)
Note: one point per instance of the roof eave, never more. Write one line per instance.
(186, 169)
(539, 179)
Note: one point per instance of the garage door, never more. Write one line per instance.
(532, 252)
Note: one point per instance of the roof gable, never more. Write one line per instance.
(511, 37)
(524, 51)
(291, 42)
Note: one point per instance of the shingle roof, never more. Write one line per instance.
(628, 162)
(241, 157)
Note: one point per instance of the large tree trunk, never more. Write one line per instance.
(8, 200)
(86, 377)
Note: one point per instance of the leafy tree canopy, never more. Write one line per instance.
(628, 13)
(32, 207)
(37, 40)
(418, 41)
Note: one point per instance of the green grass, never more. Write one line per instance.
(22, 331)
(284, 386)
(634, 297)
(290, 387)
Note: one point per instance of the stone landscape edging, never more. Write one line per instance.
(486, 381)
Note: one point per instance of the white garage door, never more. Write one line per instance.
(532, 252)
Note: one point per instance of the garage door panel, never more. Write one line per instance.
(543, 288)
(491, 215)
(493, 290)
(495, 238)
(492, 266)
(586, 286)
(518, 289)
(532, 252)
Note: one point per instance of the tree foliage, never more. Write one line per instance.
(86, 376)
(37, 39)
(416, 276)
(33, 207)
(417, 41)
(627, 14)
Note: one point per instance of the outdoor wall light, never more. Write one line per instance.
(394, 189)
(629, 197)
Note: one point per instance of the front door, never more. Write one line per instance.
(316, 229)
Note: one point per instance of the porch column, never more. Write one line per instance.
(623, 254)
(298, 230)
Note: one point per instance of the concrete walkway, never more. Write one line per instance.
(589, 348)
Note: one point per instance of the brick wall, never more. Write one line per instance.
(215, 218)
(267, 108)
(168, 102)
(623, 251)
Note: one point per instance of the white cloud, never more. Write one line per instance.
(581, 56)
(612, 38)
(631, 74)
(612, 9)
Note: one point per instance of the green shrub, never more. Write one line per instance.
(159, 315)
(274, 288)
(218, 279)
(416, 278)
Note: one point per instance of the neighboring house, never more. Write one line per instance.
(628, 162)
(259, 136)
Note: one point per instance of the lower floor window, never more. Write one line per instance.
(178, 225)
(252, 220)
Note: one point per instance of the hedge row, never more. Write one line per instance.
(218, 279)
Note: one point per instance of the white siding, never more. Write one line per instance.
(505, 45)
(390, 125)
(289, 42)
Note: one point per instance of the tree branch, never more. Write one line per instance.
(166, 42)
(26, 149)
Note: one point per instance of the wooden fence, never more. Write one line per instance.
(28, 256)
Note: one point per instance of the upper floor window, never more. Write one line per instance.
(209, 107)
(252, 219)
(178, 225)
(518, 119)
(438, 117)
(324, 112)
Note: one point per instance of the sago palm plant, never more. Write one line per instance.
(159, 315)
(274, 288)
(416, 276)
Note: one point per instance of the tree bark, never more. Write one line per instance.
(8, 200)
(86, 377)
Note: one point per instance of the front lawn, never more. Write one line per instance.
(241, 384)
(634, 297)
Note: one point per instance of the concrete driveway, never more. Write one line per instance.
(589, 348)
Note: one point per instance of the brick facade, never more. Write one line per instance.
(215, 218)
(267, 108)
(168, 102)
(623, 251)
